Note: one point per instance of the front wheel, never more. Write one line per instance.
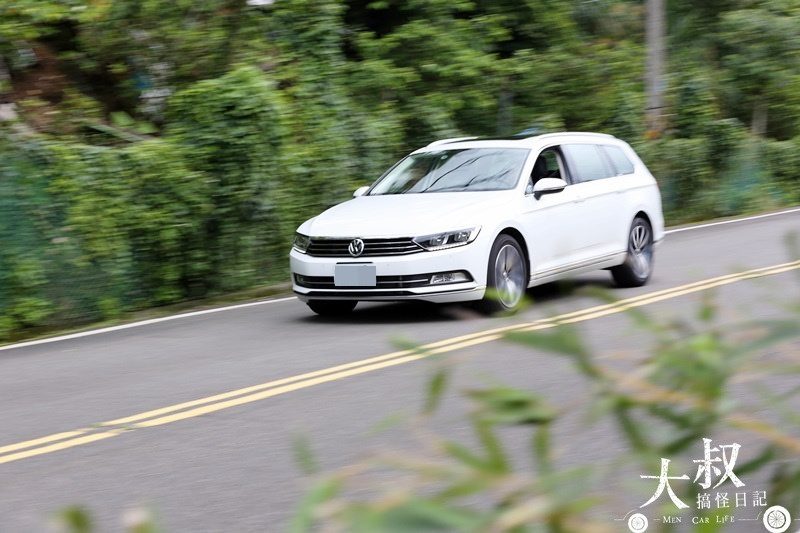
(507, 276)
(638, 265)
(332, 307)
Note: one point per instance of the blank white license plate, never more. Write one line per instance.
(359, 275)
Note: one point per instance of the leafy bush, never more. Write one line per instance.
(682, 168)
(782, 159)
(139, 215)
(722, 172)
(93, 231)
(89, 232)
(230, 128)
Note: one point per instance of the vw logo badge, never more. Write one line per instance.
(356, 247)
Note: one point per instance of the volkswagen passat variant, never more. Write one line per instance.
(482, 220)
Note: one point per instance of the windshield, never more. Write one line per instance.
(469, 169)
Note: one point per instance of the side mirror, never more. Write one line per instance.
(360, 191)
(547, 186)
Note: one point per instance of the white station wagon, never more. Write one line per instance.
(481, 220)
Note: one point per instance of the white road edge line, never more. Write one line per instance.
(276, 300)
(142, 323)
(731, 221)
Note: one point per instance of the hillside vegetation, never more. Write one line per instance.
(153, 151)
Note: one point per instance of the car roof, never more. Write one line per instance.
(522, 140)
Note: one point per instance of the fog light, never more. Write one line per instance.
(448, 277)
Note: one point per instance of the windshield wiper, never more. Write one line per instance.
(472, 160)
(482, 180)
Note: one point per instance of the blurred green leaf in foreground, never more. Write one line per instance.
(699, 378)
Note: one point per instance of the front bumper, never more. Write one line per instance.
(398, 277)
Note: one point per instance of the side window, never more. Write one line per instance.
(586, 163)
(553, 167)
(622, 165)
(548, 165)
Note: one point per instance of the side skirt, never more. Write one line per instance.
(573, 269)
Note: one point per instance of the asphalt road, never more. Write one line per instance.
(103, 420)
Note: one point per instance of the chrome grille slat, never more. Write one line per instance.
(372, 247)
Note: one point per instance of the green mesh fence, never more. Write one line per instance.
(45, 279)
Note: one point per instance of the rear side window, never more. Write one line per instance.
(622, 165)
(586, 163)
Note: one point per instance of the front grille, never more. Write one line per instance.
(372, 247)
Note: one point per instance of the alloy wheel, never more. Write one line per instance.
(509, 275)
(640, 249)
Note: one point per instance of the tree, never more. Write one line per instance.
(762, 58)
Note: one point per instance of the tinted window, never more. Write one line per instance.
(586, 163)
(621, 163)
(553, 169)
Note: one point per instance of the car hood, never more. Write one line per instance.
(406, 215)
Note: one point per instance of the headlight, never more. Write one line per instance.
(450, 239)
(301, 242)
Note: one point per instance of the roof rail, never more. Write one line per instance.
(454, 139)
(576, 133)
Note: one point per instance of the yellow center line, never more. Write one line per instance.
(449, 345)
(624, 306)
(86, 439)
(246, 390)
(43, 440)
(227, 400)
(432, 346)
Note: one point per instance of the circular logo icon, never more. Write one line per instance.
(356, 247)
(777, 519)
(637, 523)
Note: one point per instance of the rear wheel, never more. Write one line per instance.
(507, 276)
(638, 265)
(332, 307)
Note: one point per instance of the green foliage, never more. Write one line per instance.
(748, 187)
(683, 169)
(31, 19)
(155, 44)
(79, 520)
(686, 386)
(231, 127)
(442, 62)
(75, 112)
(23, 238)
(694, 104)
(763, 62)
(75, 520)
(783, 163)
(201, 133)
(209, 207)
(97, 231)
(137, 214)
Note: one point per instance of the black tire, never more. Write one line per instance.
(507, 276)
(638, 265)
(332, 307)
